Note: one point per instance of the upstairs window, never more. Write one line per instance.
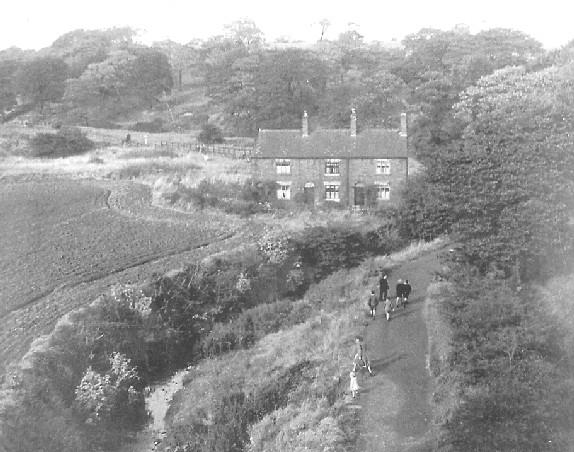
(332, 167)
(284, 190)
(283, 166)
(383, 166)
(383, 192)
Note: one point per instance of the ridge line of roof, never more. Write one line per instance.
(376, 129)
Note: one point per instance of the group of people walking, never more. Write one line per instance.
(402, 291)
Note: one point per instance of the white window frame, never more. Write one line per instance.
(336, 193)
(383, 191)
(283, 166)
(284, 190)
(333, 163)
(383, 166)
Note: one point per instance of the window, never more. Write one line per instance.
(284, 190)
(332, 167)
(331, 191)
(383, 192)
(383, 166)
(283, 166)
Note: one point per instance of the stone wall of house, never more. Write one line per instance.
(364, 171)
(351, 172)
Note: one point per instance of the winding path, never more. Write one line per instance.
(395, 403)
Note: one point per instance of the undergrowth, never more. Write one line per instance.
(502, 367)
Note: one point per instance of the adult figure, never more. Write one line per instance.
(383, 287)
(372, 302)
(406, 292)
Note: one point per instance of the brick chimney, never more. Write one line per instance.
(304, 125)
(353, 123)
(403, 131)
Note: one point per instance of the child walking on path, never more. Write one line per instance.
(361, 358)
(388, 308)
(354, 383)
(373, 302)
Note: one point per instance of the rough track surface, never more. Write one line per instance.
(394, 405)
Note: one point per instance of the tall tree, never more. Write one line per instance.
(42, 80)
(516, 168)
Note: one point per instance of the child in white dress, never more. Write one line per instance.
(354, 383)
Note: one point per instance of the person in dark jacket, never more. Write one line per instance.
(406, 292)
(373, 302)
(383, 287)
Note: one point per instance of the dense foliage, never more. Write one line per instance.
(504, 185)
(66, 142)
(506, 364)
(249, 84)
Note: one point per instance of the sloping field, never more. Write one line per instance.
(64, 242)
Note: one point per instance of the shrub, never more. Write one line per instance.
(210, 134)
(252, 324)
(507, 359)
(64, 143)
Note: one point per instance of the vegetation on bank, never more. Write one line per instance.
(502, 368)
(284, 393)
(499, 182)
(86, 380)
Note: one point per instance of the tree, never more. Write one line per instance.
(42, 80)
(80, 48)
(149, 76)
(8, 69)
(182, 58)
(515, 168)
(244, 32)
(210, 134)
(102, 396)
(288, 82)
(324, 24)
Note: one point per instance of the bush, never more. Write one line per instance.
(252, 324)
(210, 134)
(66, 142)
(508, 360)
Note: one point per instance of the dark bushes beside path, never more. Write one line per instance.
(66, 142)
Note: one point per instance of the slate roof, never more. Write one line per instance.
(330, 143)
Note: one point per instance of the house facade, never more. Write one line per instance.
(360, 169)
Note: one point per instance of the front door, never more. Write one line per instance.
(309, 195)
(360, 196)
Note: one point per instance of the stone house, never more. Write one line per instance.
(353, 168)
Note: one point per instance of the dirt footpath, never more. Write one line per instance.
(394, 404)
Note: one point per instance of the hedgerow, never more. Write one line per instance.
(66, 142)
